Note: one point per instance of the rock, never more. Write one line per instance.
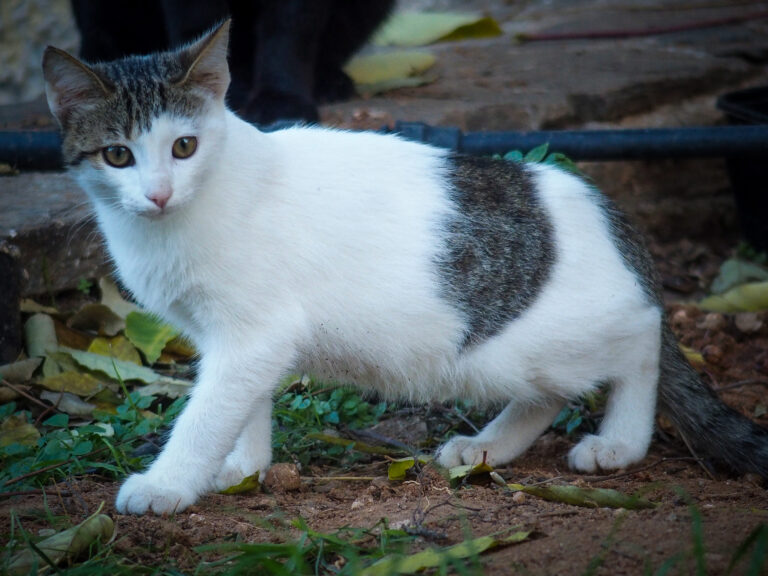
(712, 354)
(748, 322)
(713, 321)
(282, 477)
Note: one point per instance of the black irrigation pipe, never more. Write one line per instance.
(631, 144)
(41, 150)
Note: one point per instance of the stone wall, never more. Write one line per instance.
(26, 28)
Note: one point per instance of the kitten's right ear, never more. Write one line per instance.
(70, 84)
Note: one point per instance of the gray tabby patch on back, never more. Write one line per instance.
(499, 248)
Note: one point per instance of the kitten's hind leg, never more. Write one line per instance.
(505, 438)
(253, 449)
(626, 430)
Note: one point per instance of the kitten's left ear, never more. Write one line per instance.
(206, 62)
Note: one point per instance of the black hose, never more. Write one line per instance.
(31, 150)
(41, 150)
(635, 144)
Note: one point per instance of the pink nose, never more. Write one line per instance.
(160, 198)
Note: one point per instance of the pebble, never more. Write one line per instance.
(713, 321)
(748, 322)
(283, 477)
(712, 354)
(519, 497)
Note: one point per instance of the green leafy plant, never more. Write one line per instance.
(541, 154)
(300, 412)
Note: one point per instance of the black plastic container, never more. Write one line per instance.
(749, 176)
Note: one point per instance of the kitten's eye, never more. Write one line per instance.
(184, 147)
(117, 156)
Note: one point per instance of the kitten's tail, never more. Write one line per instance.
(708, 426)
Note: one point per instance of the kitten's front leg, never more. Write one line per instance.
(226, 395)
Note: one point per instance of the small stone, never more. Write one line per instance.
(679, 318)
(519, 497)
(713, 321)
(283, 477)
(712, 354)
(748, 322)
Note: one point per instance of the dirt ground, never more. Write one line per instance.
(564, 539)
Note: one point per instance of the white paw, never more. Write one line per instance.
(465, 450)
(142, 493)
(595, 452)
(236, 468)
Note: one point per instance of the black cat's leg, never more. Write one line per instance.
(109, 32)
(350, 24)
(504, 438)
(187, 20)
(288, 39)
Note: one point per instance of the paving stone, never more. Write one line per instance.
(44, 220)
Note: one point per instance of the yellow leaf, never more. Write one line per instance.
(248, 484)
(374, 73)
(692, 355)
(118, 347)
(750, 297)
(422, 28)
(78, 383)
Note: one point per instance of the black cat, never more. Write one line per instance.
(285, 55)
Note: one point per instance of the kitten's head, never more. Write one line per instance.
(141, 132)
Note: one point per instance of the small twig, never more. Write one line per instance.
(370, 435)
(29, 396)
(342, 478)
(742, 383)
(51, 467)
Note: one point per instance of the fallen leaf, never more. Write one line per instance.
(16, 430)
(693, 356)
(78, 383)
(69, 403)
(65, 545)
(97, 318)
(248, 484)
(148, 334)
(435, 558)
(734, 272)
(29, 306)
(111, 367)
(586, 497)
(751, 297)
(409, 28)
(375, 73)
(117, 347)
(40, 335)
(110, 297)
(168, 387)
(21, 371)
(397, 468)
(458, 474)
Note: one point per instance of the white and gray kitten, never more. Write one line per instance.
(364, 258)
